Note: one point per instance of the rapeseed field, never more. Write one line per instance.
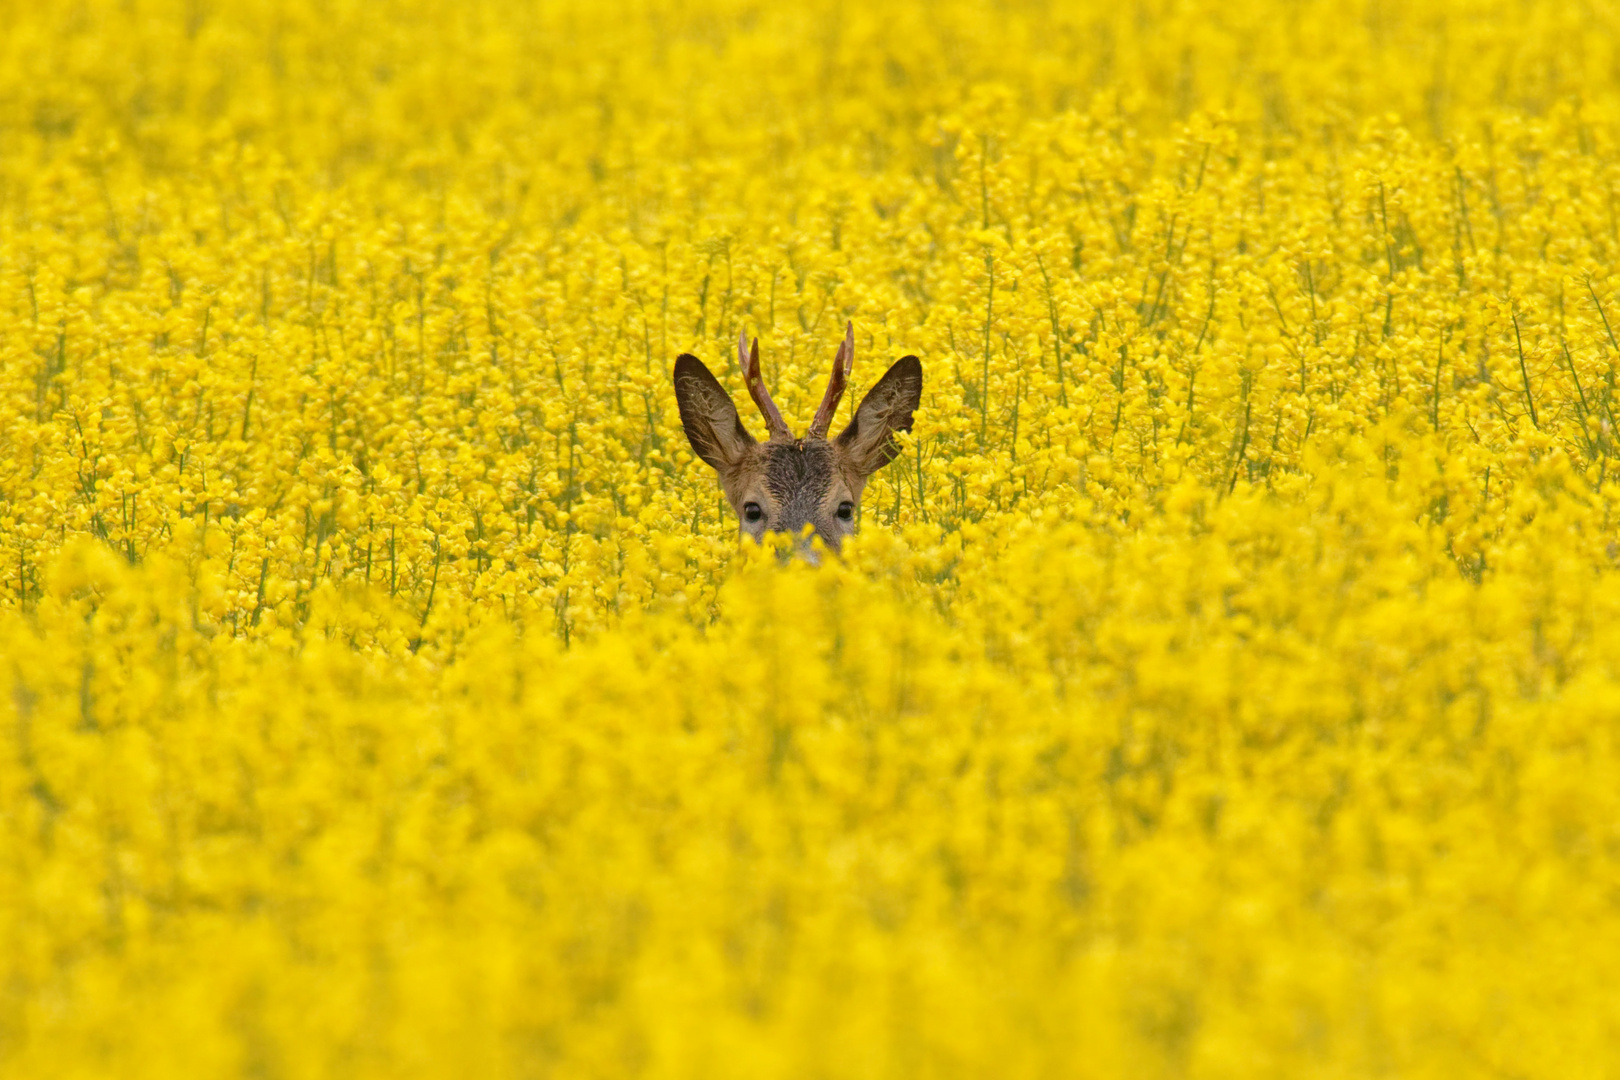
(1224, 682)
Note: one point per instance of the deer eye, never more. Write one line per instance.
(846, 511)
(752, 512)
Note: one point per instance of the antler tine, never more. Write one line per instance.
(749, 361)
(842, 364)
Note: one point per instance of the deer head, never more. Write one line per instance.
(785, 484)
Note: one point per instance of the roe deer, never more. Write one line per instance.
(785, 484)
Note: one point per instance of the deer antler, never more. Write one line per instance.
(749, 361)
(842, 363)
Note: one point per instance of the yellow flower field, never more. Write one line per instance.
(1225, 681)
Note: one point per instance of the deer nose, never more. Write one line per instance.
(803, 546)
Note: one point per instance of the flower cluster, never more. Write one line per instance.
(1225, 681)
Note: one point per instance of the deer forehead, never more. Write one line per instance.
(799, 475)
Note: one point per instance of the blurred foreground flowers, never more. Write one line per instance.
(1226, 680)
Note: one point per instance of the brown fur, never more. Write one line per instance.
(803, 482)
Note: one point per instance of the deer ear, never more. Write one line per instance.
(868, 443)
(712, 425)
